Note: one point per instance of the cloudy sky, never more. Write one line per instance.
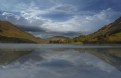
(46, 18)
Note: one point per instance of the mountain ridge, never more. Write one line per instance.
(110, 33)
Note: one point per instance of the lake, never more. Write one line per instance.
(60, 61)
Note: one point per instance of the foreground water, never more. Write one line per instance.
(60, 61)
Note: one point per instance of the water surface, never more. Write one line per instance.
(60, 61)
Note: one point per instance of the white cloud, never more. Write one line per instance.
(31, 13)
(6, 14)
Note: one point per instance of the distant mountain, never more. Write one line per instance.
(108, 34)
(9, 33)
(57, 39)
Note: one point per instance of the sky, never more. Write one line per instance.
(47, 18)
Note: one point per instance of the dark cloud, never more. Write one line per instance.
(31, 28)
(57, 16)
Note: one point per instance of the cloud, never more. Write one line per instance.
(35, 15)
(81, 23)
(7, 15)
(31, 13)
(67, 8)
(65, 16)
(75, 22)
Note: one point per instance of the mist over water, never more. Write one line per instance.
(57, 61)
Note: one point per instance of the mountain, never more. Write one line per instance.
(9, 33)
(108, 34)
(57, 39)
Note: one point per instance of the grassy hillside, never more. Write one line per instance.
(11, 33)
(108, 34)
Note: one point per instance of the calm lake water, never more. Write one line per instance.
(60, 61)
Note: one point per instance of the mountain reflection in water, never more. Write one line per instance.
(60, 61)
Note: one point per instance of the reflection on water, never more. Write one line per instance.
(9, 55)
(109, 55)
(60, 61)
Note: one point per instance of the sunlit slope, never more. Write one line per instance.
(11, 33)
(108, 34)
